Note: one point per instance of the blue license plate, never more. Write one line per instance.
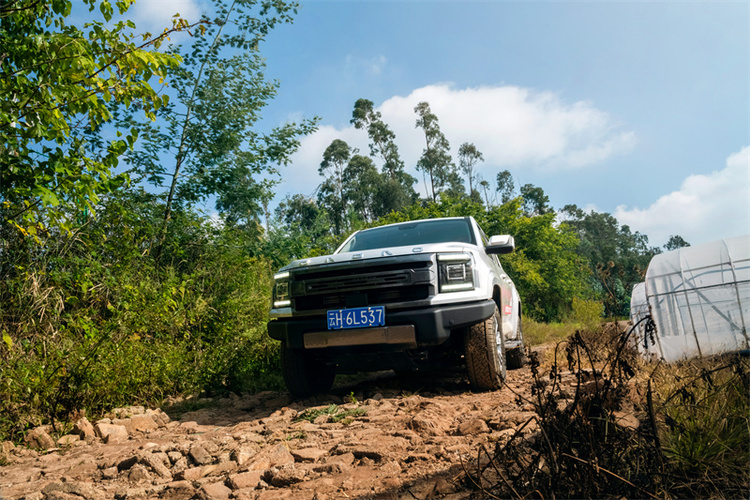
(356, 317)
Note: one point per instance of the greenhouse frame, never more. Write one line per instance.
(699, 300)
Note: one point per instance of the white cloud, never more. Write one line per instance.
(374, 66)
(156, 15)
(511, 126)
(705, 208)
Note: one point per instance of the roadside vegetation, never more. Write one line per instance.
(117, 288)
(627, 429)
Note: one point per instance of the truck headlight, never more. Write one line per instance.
(281, 290)
(455, 272)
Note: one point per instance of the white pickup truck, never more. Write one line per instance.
(407, 296)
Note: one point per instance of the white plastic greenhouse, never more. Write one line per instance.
(699, 299)
(638, 311)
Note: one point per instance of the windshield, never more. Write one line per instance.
(411, 233)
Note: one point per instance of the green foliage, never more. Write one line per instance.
(468, 157)
(436, 161)
(93, 321)
(57, 82)
(393, 191)
(204, 142)
(617, 257)
(587, 314)
(706, 437)
(537, 333)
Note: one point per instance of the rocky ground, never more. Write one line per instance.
(385, 437)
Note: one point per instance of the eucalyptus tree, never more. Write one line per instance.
(362, 186)
(56, 80)
(398, 191)
(535, 202)
(206, 142)
(675, 241)
(505, 186)
(436, 161)
(331, 193)
(468, 157)
(485, 188)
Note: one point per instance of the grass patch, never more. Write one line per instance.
(535, 333)
(609, 425)
(333, 414)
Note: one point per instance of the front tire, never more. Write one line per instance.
(303, 374)
(485, 354)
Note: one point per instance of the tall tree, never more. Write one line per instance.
(435, 161)
(535, 202)
(485, 188)
(205, 140)
(400, 192)
(331, 192)
(617, 257)
(468, 157)
(362, 184)
(56, 80)
(675, 241)
(505, 186)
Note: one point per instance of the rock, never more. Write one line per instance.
(191, 474)
(244, 480)
(626, 420)
(273, 456)
(6, 447)
(111, 433)
(219, 469)
(473, 427)
(285, 476)
(142, 423)
(178, 490)
(110, 473)
(199, 455)
(85, 465)
(308, 454)
(242, 455)
(38, 438)
(425, 425)
(156, 464)
(68, 440)
(80, 489)
(127, 463)
(125, 422)
(138, 473)
(159, 417)
(214, 491)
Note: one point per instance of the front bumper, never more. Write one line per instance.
(432, 325)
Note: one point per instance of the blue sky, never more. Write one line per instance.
(640, 109)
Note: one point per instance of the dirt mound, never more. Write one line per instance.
(386, 437)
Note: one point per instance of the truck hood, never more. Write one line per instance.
(378, 253)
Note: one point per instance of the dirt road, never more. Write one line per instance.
(385, 437)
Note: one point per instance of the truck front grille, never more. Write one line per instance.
(387, 283)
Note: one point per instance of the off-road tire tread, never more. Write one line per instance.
(515, 358)
(479, 350)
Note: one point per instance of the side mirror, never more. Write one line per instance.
(501, 244)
